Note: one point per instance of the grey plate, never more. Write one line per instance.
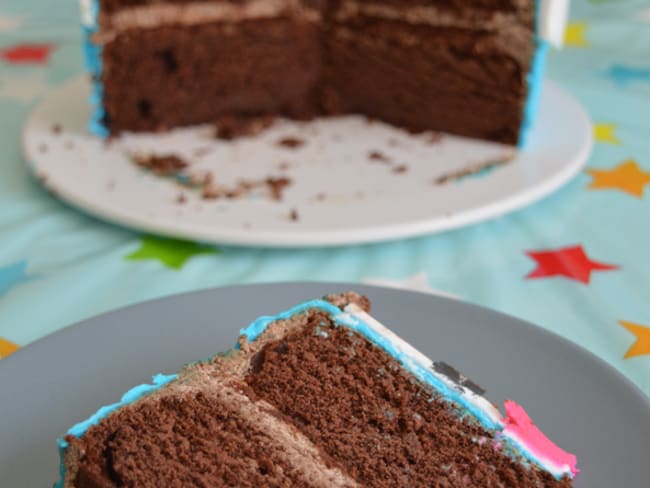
(580, 402)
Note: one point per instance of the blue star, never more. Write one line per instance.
(624, 75)
(13, 275)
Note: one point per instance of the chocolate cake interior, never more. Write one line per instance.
(417, 64)
(306, 404)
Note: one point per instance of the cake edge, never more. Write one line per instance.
(515, 428)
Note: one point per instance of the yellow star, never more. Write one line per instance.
(606, 133)
(642, 344)
(626, 177)
(7, 348)
(576, 34)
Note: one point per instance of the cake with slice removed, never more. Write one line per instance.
(322, 395)
(468, 67)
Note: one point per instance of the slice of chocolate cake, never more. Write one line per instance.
(469, 67)
(322, 395)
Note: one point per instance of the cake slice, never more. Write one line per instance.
(322, 395)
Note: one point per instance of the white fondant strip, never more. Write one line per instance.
(88, 12)
(554, 16)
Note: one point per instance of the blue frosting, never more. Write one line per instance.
(93, 57)
(535, 79)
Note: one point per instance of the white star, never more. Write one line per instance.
(416, 282)
(643, 15)
(22, 89)
(9, 23)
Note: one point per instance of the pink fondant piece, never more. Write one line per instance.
(520, 425)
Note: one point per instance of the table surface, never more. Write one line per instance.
(576, 263)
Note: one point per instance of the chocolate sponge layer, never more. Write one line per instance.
(160, 78)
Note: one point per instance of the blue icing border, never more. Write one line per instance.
(93, 58)
(534, 79)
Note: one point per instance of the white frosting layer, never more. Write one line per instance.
(554, 15)
(88, 13)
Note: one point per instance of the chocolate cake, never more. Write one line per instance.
(322, 395)
(469, 67)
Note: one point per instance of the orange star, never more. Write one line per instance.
(642, 345)
(626, 177)
(7, 348)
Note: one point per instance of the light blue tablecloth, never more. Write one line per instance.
(577, 263)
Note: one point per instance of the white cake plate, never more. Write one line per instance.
(339, 195)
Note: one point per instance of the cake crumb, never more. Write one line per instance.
(291, 142)
(181, 199)
(378, 156)
(211, 192)
(165, 165)
(57, 129)
(277, 187)
(434, 138)
(231, 127)
(400, 169)
(293, 215)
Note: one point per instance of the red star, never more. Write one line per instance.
(570, 262)
(27, 53)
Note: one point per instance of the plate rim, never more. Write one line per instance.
(287, 239)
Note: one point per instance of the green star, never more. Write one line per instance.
(173, 253)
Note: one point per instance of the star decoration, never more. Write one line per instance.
(606, 133)
(576, 35)
(626, 177)
(13, 275)
(641, 346)
(22, 89)
(571, 262)
(623, 75)
(416, 282)
(7, 348)
(173, 253)
(27, 53)
(9, 23)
